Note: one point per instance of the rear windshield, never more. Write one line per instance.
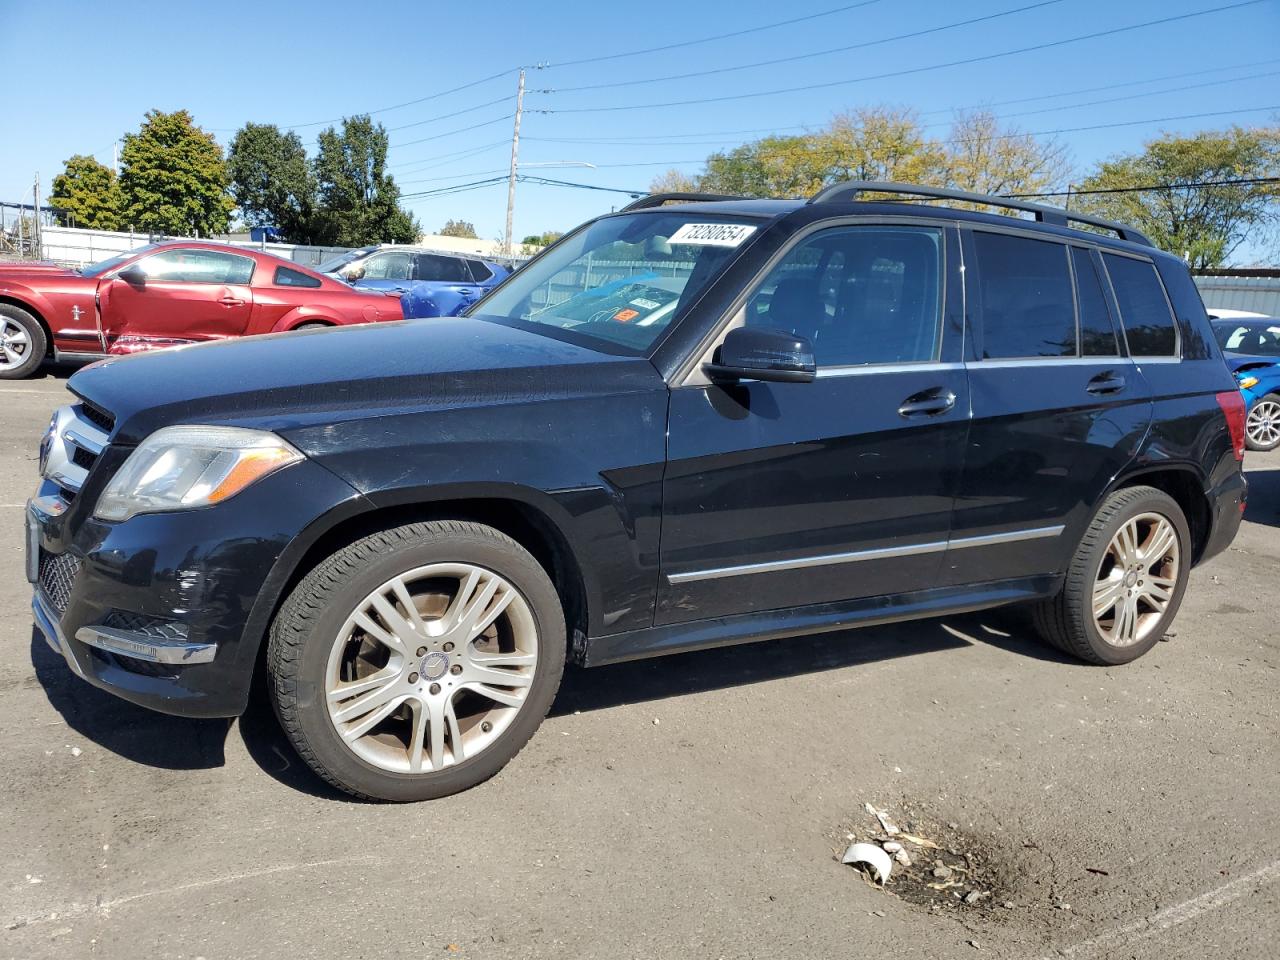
(616, 284)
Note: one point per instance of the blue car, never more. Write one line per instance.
(1252, 351)
(431, 284)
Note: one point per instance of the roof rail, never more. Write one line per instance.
(658, 199)
(842, 192)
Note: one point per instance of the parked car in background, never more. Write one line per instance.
(1251, 346)
(167, 294)
(856, 413)
(429, 283)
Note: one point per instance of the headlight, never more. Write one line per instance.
(191, 466)
(1247, 382)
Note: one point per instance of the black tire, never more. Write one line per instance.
(312, 326)
(1067, 620)
(1272, 398)
(36, 349)
(306, 626)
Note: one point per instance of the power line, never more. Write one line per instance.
(450, 133)
(718, 36)
(442, 159)
(912, 70)
(410, 103)
(546, 181)
(807, 56)
(447, 116)
(1196, 184)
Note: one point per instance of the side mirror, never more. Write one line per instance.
(133, 275)
(353, 273)
(761, 353)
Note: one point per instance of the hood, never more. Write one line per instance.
(1245, 361)
(20, 269)
(314, 377)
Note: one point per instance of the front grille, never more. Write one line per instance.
(57, 574)
(99, 418)
(75, 440)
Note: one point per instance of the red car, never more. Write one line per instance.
(166, 294)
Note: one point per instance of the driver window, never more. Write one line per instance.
(862, 295)
(388, 266)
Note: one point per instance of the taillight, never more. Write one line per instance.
(1232, 405)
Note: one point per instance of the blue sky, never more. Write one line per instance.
(92, 72)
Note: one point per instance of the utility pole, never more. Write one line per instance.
(511, 180)
(36, 232)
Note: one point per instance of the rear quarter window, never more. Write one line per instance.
(1144, 310)
(286, 277)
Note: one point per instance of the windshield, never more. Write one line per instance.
(335, 263)
(618, 283)
(1257, 338)
(102, 266)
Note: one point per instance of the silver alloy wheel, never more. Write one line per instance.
(15, 343)
(1136, 579)
(431, 667)
(1263, 424)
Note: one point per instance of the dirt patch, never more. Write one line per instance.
(947, 870)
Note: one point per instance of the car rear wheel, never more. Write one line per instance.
(22, 343)
(1262, 427)
(1125, 583)
(417, 661)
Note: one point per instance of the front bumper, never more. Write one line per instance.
(168, 610)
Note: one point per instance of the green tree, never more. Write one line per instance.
(771, 167)
(544, 239)
(271, 181)
(1205, 224)
(173, 178)
(880, 143)
(459, 228)
(983, 157)
(86, 194)
(359, 202)
(673, 181)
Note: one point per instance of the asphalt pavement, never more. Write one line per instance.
(693, 806)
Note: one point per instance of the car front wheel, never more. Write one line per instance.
(22, 343)
(1125, 582)
(1262, 427)
(417, 661)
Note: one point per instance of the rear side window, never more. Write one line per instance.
(1097, 335)
(862, 295)
(286, 277)
(1148, 324)
(439, 269)
(479, 272)
(388, 266)
(1028, 308)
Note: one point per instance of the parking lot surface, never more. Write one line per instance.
(693, 806)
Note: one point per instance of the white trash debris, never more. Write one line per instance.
(886, 824)
(874, 857)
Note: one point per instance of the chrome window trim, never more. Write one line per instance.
(690, 373)
(855, 556)
(1048, 361)
(866, 369)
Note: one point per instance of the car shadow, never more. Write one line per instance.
(178, 743)
(133, 732)
(1264, 497)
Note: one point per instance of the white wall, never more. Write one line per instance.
(76, 246)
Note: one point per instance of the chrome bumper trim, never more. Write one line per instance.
(140, 646)
(47, 622)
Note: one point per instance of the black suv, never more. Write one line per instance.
(681, 426)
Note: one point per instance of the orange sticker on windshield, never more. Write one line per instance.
(622, 316)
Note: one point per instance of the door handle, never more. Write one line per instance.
(928, 403)
(1105, 383)
(231, 301)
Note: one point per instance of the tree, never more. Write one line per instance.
(673, 181)
(983, 157)
(459, 228)
(86, 194)
(1206, 224)
(772, 167)
(544, 239)
(271, 181)
(881, 144)
(173, 178)
(359, 202)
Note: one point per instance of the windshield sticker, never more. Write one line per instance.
(624, 316)
(712, 234)
(646, 304)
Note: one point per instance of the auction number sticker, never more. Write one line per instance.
(712, 234)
